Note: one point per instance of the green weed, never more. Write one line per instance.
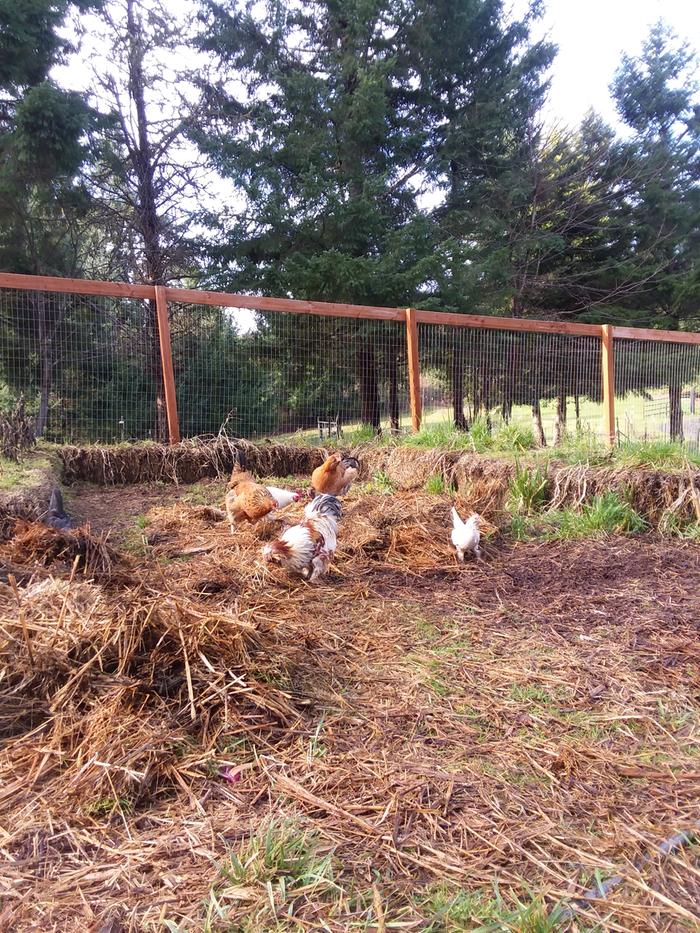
(448, 908)
(527, 490)
(520, 528)
(480, 436)
(382, 483)
(279, 864)
(531, 916)
(603, 515)
(435, 485)
(105, 806)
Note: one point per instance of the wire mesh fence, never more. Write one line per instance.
(278, 374)
(543, 384)
(657, 391)
(87, 366)
(89, 369)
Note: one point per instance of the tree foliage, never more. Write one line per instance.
(383, 152)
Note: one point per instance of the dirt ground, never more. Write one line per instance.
(447, 742)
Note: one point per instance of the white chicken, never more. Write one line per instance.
(466, 535)
(307, 548)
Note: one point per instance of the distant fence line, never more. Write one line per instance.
(105, 361)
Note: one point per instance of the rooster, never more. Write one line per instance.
(249, 501)
(307, 548)
(466, 535)
(335, 475)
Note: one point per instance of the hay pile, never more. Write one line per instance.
(187, 462)
(123, 685)
(32, 543)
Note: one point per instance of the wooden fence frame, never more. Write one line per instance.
(162, 295)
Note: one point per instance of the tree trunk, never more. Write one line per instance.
(675, 412)
(367, 377)
(537, 425)
(146, 210)
(560, 422)
(394, 412)
(46, 366)
(461, 422)
(577, 410)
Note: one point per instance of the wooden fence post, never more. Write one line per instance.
(607, 360)
(166, 358)
(413, 368)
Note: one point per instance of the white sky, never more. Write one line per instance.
(592, 35)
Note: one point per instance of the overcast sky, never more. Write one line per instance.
(592, 35)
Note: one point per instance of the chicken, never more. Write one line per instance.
(466, 535)
(335, 476)
(250, 501)
(55, 516)
(307, 548)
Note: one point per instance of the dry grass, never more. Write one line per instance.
(419, 730)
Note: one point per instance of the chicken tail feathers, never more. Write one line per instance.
(56, 503)
(456, 520)
(240, 463)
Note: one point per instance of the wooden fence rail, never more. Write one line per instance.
(162, 296)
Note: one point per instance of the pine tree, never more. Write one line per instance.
(42, 204)
(349, 111)
(655, 95)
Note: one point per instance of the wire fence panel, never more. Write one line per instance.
(657, 391)
(278, 373)
(549, 384)
(87, 366)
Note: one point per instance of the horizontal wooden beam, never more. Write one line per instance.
(50, 283)
(507, 323)
(648, 333)
(284, 305)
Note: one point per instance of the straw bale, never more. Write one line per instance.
(187, 462)
(482, 483)
(409, 468)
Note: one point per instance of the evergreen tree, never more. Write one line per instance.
(655, 96)
(348, 112)
(42, 204)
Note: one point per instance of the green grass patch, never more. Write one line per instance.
(514, 437)
(30, 471)
(442, 434)
(661, 455)
(278, 866)
(527, 490)
(603, 515)
(435, 485)
(449, 908)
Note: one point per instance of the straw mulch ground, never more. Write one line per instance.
(531, 720)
